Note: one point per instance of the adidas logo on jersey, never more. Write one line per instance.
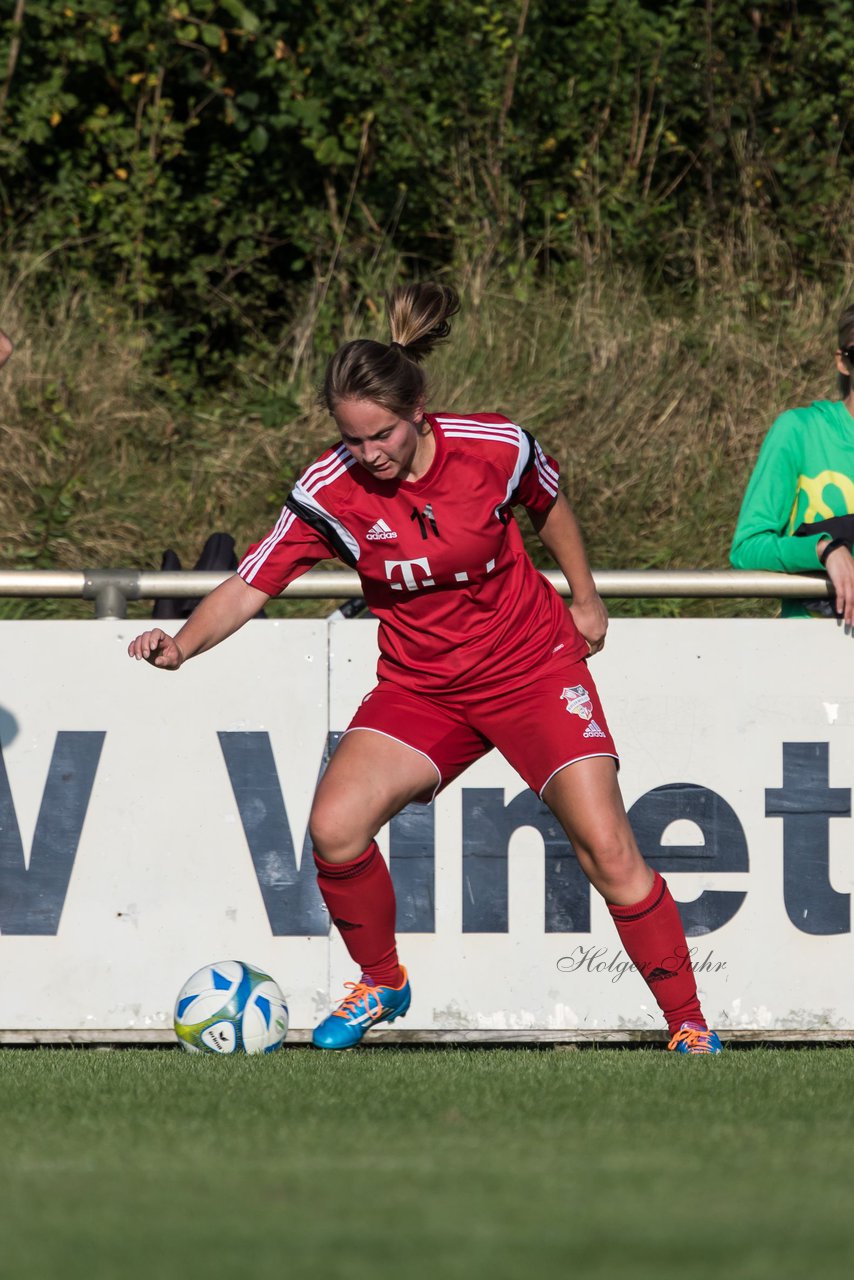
(380, 532)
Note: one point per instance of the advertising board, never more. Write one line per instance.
(151, 822)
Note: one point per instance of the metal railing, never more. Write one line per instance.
(111, 589)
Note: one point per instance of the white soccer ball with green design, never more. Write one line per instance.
(230, 1007)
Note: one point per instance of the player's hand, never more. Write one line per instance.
(591, 618)
(158, 649)
(839, 567)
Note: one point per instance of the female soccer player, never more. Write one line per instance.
(476, 651)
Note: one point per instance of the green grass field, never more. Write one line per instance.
(416, 1163)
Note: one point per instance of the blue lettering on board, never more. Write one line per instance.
(32, 896)
(290, 893)
(488, 827)
(724, 847)
(291, 897)
(806, 803)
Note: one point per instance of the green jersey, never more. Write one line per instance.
(804, 473)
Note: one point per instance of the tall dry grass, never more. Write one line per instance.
(103, 463)
(654, 407)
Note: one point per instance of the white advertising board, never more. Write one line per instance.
(152, 822)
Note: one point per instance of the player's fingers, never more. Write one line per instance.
(146, 644)
(848, 603)
(843, 597)
(844, 604)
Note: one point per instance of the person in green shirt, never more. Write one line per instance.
(797, 515)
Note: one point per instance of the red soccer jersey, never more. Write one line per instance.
(441, 559)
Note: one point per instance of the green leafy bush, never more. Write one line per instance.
(209, 161)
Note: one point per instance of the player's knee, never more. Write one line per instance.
(614, 856)
(335, 837)
(325, 833)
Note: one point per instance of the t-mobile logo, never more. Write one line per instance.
(407, 572)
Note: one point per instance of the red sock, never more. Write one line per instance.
(652, 934)
(360, 898)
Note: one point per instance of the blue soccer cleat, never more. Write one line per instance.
(358, 1012)
(692, 1039)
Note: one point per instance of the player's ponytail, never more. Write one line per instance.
(419, 317)
(389, 374)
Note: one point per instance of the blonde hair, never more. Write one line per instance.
(390, 374)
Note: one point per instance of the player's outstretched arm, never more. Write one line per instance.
(560, 535)
(219, 615)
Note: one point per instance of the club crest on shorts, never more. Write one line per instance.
(578, 701)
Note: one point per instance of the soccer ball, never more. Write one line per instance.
(230, 1007)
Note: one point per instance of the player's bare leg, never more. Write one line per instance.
(369, 779)
(585, 798)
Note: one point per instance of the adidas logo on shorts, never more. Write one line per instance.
(380, 532)
(593, 731)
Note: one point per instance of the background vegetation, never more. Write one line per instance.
(645, 206)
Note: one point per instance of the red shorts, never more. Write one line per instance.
(539, 728)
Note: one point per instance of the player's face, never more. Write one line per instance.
(387, 446)
(845, 364)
